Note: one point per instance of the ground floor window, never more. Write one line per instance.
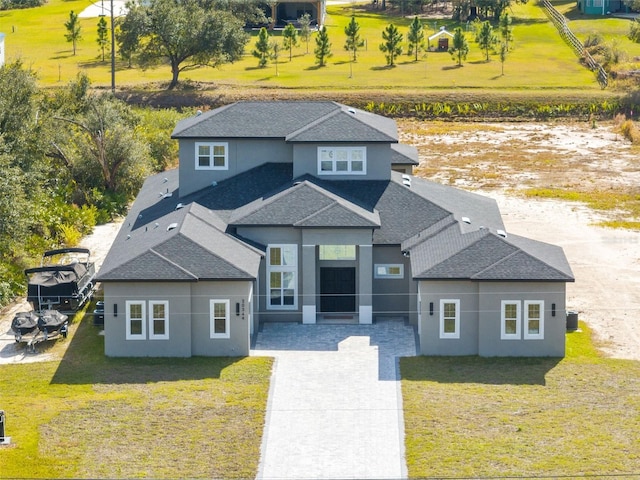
(510, 320)
(158, 320)
(135, 320)
(282, 277)
(219, 319)
(534, 320)
(449, 318)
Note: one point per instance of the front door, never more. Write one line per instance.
(338, 289)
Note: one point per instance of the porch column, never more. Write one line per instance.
(308, 284)
(365, 284)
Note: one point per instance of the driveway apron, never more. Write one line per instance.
(335, 406)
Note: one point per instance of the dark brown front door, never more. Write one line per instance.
(338, 289)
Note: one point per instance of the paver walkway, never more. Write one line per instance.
(335, 408)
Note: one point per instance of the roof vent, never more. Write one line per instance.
(156, 225)
(466, 220)
(502, 233)
(179, 206)
(352, 111)
(172, 226)
(128, 237)
(406, 182)
(165, 180)
(166, 194)
(214, 183)
(198, 113)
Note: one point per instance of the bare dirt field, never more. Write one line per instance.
(502, 160)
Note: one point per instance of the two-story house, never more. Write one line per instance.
(304, 212)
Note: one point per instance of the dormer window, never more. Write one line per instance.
(212, 156)
(342, 160)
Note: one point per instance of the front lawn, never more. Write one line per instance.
(88, 416)
(474, 417)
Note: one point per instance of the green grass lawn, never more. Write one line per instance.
(540, 59)
(474, 417)
(92, 417)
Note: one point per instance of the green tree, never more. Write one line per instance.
(305, 28)
(634, 31)
(103, 35)
(415, 36)
(130, 29)
(323, 47)
(504, 52)
(184, 34)
(459, 46)
(263, 47)
(486, 38)
(73, 27)
(353, 42)
(392, 45)
(275, 54)
(290, 38)
(506, 30)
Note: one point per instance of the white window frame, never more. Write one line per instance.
(540, 334)
(142, 319)
(291, 268)
(382, 270)
(503, 331)
(213, 318)
(211, 146)
(331, 154)
(443, 334)
(165, 335)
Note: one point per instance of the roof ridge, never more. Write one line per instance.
(517, 251)
(179, 267)
(307, 126)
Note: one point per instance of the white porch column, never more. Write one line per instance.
(308, 284)
(365, 284)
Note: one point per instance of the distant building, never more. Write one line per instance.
(602, 7)
(1, 49)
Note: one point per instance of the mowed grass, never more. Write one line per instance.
(502, 417)
(88, 416)
(540, 59)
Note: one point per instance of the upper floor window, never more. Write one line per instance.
(342, 160)
(212, 156)
(337, 252)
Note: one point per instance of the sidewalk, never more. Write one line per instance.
(335, 407)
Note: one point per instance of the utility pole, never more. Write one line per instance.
(113, 53)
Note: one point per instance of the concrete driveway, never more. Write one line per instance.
(335, 406)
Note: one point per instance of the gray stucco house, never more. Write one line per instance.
(307, 212)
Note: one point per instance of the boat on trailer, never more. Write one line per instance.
(61, 286)
(33, 328)
(24, 323)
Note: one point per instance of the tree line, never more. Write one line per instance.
(70, 159)
(488, 38)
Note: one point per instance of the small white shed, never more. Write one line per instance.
(443, 40)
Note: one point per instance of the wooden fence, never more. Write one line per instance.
(560, 22)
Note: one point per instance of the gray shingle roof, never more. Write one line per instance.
(305, 204)
(403, 154)
(293, 121)
(483, 255)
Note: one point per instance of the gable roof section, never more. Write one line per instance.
(194, 248)
(305, 204)
(253, 120)
(347, 125)
(291, 121)
(482, 255)
(403, 154)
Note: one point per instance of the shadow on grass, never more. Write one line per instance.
(452, 67)
(489, 371)
(84, 363)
